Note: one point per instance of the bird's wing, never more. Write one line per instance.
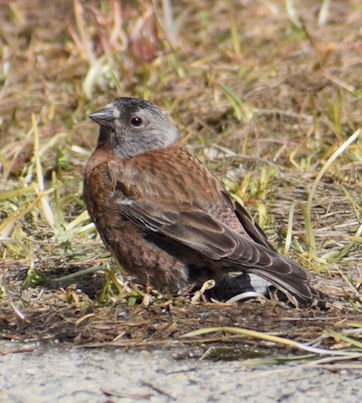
(193, 228)
(248, 223)
(202, 232)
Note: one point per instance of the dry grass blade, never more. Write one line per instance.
(45, 206)
(345, 338)
(292, 12)
(308, 209)
(268, 337)
(288, 238)
(324, 12)
(86, 46)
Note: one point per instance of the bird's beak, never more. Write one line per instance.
(103, 116)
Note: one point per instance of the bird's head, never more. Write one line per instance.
(133, 126)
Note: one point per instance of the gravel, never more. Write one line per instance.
(65, 375)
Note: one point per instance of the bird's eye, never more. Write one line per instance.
(136, 122)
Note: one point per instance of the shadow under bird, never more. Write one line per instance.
(165, 216)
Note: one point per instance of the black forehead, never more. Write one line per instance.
(133, 105)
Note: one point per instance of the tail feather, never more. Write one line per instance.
(294, 285)
(289, 277)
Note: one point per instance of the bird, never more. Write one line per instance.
(166, 218)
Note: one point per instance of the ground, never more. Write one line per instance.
(267, 95)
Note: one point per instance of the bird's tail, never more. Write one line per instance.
(293, 281)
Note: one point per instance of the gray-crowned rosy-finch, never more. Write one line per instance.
(165, 217)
